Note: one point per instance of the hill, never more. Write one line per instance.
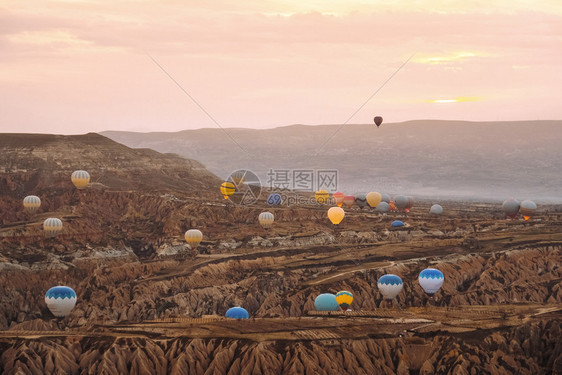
(484, 160)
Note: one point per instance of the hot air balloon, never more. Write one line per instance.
(274, 199)
(410, 203)
(383, 207)
(431, 280)
(378, 120)
(227, 189)
(348, 201)
(266, 219)
(528, 209)
(385, 198)
(193, 237)
(402, 202)
(31, 203)
(344, 299)
(80, 179)
(336, 215)
(511, 207)
(52, 226)
(322, 196)
(397, 223)
(237, 313)
(338, 197)
(238, 177)
(361, 199)
(374, 198)
(60, 300)
(392, 206)
(326, 302)
(390, 285)
(436, 209)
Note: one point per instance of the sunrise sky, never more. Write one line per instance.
(75, 66)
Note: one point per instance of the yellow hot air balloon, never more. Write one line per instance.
(266, 219)
(52, 226)
(344, 299)
(322, 196)
(227, 189)
(193, 237)
(374, 198)
(31, 203)
(336, 214)
(80, 179)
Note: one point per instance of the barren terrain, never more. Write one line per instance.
(147, 303)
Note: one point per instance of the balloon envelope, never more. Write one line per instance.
(361, 199)
(31, 203)
(326, 302)
(511, 207)
(80, 179)
(436, 209)
(528, 208)
(52, 226)
(266, 219)
(390, 285)
(227, 189)
(336, 214)
(60, 300)
(322, 196)
(383, 207)
(385, 198)
(344, 299)
(397, 223)
(374, 198)
(338, 198)
(378, 120)
(401, 202)
(193, 237)
(274, 199)
(348, 201)
(238, 177)
(237, 313)
(431, 280)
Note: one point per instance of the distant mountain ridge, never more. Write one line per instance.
(438, 158)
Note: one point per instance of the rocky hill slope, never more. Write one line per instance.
(147, 303)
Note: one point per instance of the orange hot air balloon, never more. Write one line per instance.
(336, 215)
(338, 197)
(392, 206)
(349, 201)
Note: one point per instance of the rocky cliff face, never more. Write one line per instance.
(122, 250)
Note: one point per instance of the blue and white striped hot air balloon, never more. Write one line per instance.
(431, 280)
(60, 300)
(31, 203)
(390, 285)
(80, 179)
(52, 226)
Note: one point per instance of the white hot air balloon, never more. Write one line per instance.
(266, 219)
